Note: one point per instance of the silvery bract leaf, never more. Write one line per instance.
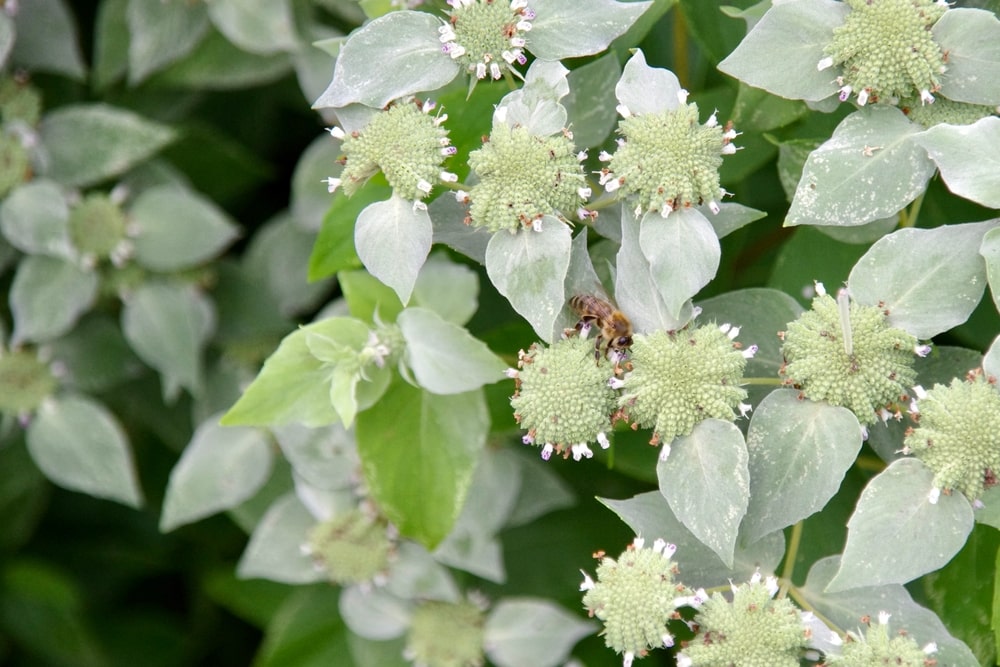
(582, 28)
(968, 157)
(971, 38)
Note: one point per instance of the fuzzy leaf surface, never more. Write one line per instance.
(393, 241)
(968, 157)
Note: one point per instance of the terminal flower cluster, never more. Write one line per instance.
(848, 355)
(523, 177)
(446, 634)
(885, 50)
(667, 160)
(487, 37)
(875, 647)
(958, 434)
(351, 548)
(405, 142)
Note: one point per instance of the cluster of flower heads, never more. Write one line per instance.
(405, 142)
(487, 37)
(523, 177)
(447, 634)
(875, 647)
(352, 547)
(886, 51)
(958, 434)
(848, 355)
(673, 381)
(638, 594)
(667, 160)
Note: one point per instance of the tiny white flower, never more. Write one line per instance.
(518, 42)
(713, 205)
(580, 451)
(336, 132)
(584, 193)
(750, 352)
(511, 373)
(547, 451)
(922, 350)
(623, 111)
(423, 186)
(604, 156)
(934, 496)
(588, 583)
(331, 184)
(495, 71)
(536, 225)
(845, 93)
(930, 648)
(524, 26)
(926, 97)
(825, 63)
(602, 440)
(682, 96)
(863, 97)
(480, 70)
(883, 617)
(448, 177)
(729, 149)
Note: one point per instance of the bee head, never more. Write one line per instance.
(623, 341)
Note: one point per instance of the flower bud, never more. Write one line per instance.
(351, 547)
(446, 634)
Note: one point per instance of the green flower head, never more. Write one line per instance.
(754, 630)
(958, 434)
(667, 160)
(885, 50)
(522, 177)
(486, 37)
(876, 648)
(15, 164)
(19, 101)
(945, 111)
(847, 354)
(680, 378)
(405, 143)
(97, 229)
(563, 398)
(446, 634)
(635, 596)
(25, 381)
(351, 548)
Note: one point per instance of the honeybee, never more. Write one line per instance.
(614, 329)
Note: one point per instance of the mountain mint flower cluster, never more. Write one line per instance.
(523, 177)
(487, 38)
(958, 434)
(446, 634)
(405, 143)
(674, 380)
(754, 629)
(886, 51)
(635, 596)
(351, 547)
(876, 648)
(847, 354)
(667, 160)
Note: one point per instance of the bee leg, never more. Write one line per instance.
(597, 349)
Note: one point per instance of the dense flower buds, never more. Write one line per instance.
(876, 648)
(446, 634)
(958, 436)
(351, 547)
(487, 37)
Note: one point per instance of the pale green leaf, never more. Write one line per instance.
(451, 290)
(869, 169)
(220, 468)
(582, 28)
(535, 105)
(416, 574)
(782, 50)
(111, 41)
(929, 280)
(325, 458)
(532, 631)
(275, 548)
(581, 278)
(991, 362)
(405, 45)
(590, 104)
(277, 258)
(636, 290)
(418, 445)
(799, 453)
(971, 38)
(760, 313)
(445, 358)
(683, 253)
(178, 229)
(968, 157)
(168, 325)
(845, 610)
(896, 534)
(217, 64)
(529, 268)
(450, 229)
(88, 143)
(310, 199)
(647, 90)
(259, 26)
(731, 216)
(393, 240)
(293, 385)
(48, 296)
(707, 484)
(990, 250)
(649, 516)
(47, 39)
(34, 218)
(160, 33)
(79, 445)
(375, 614)
(540, 491)
(343, 393)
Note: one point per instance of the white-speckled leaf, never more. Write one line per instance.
(532, 631)
(564, 29)
(971, 38)
(683, 253)
(591, 101)
(968, 157)
(930, 280)
(780, 54)
(706, 481)
(48, 296)
(895, 534)
(34, 218)
(275, 548)
(405, 47)
(529, 268)
(990, 250)
(869, 169)
(799, 452)
(393, 241)
(644, 89)
(258, 26)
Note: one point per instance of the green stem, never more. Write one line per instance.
(765, 381)
(908, 216)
